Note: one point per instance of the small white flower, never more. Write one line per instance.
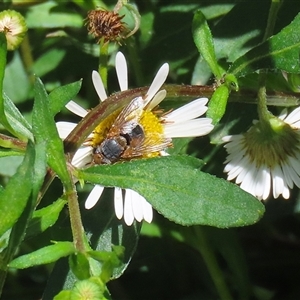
(182, 122)
(14, 27)
(267, 157)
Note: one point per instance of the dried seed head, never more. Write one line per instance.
(106, 25)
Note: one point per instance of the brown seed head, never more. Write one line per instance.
(107, 25)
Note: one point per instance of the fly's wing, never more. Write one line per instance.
(147, 147)
(128, 117)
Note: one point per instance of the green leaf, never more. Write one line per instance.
(110, 261)
(16, 119)
(204, 42)
(14, 197)
(9, 165)
(45, 132)
(15, 72)
(281, 51)
(48, 62)
(19, 229)
(45, 15)
(63, 295)
(217, 104)
(232, 41)
(179, 191)
(79, 265)
(42, 256)
(103, 230)
(60, 96)
(7, 153)
(45, 217)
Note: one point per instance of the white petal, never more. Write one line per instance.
(278, 184)
(248, 183)
(157, 82)
(191, 128)
(99, 86)
(147, 210)
(293, 172)
(229, 138)
(293, 117)
(267, 184)
(243, 167)
(118, 202)
(137, 206)
(128, 213)
(236, 157)
(288, 173)
(64, 128)
(121, 69)
(94, 196)
(160, 96)
(263, 183)
(76, 109)
(187, 112)
(82, 157)
(285, 192)
(235, 171)
(163, 153)
(283, 114)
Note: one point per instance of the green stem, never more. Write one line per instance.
(12, 143)
(75, 219)
(103, 59)
(203, 246)
(135, 64)
(3, 52)
(27, 57)
(263, 112)
(120, 99)
(262, 108)
(119, 5)
(275, 5)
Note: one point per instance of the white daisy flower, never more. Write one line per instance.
(153, 132)
(267, 157)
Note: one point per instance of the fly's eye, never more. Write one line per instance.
(136, 133)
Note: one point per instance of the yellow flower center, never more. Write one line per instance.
(152, 129)
(102, 129)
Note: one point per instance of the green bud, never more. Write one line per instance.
(231, 82)
(217, 104)
(13, 25)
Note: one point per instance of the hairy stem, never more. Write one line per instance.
(74, 211)
(103, 58)
(263, 112)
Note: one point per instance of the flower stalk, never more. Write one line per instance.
(103, 59)
(75, 219)
(198, 240)
(264, 114)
